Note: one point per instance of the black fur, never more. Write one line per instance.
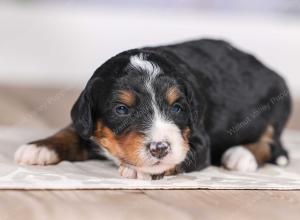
(229, 97)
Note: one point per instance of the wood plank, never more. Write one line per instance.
(233, 204)
(149, 204)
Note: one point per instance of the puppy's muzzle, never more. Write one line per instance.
(159, 149)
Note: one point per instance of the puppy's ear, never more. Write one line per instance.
(197, 106)
(82, 113)
(199, 140)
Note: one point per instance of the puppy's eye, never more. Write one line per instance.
(122, 110)
(176, 108)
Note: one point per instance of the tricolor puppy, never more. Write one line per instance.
(164, 110)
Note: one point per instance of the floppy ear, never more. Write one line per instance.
(82, 113)
(199, 140)
(197, 106)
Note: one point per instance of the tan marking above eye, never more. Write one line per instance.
(127, 97)
(172, 95)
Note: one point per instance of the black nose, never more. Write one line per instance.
(159, 149)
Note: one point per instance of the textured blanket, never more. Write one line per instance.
(96, 174)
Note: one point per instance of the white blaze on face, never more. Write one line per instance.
(164, 130)
(161, 128)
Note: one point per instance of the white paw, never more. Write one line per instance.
(239, 159)
(131, 173)
(282, 161)
(127, 172)
(30, 154)
(144, 176)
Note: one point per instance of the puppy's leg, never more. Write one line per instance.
(127, 172)
(239, 158)
(279, 155)
(249, 157)
(64, 145)
(131, 173)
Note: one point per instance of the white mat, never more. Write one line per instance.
(104, 175)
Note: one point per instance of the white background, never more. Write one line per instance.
(50, 46)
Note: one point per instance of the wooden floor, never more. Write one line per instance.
(150, 204)
(140, 205)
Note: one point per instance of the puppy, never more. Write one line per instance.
(164, 110)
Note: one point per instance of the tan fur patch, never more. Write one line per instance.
(172, 95)
(131, 145)
(186, 135)
(106, 138)
(66, 143)
(172, 171)
(261, 149)
(126, 97)
(125, 147)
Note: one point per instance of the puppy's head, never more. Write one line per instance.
(138, 111)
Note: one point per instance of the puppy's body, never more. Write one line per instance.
(186, 106)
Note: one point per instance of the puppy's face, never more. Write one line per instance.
(144, 120)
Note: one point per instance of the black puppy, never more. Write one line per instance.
(163, 110)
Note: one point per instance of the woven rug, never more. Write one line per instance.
(96, 174)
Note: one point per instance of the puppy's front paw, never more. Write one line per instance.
(131, 173)
(144, 176)
(240, 159)
(32, 154)
(127, 172)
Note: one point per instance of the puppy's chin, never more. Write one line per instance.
(155, 169)
(160, 166)
(154, 166)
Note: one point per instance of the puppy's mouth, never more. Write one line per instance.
(154, 152)
(160, 156)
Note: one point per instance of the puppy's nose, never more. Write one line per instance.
(159, 149)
